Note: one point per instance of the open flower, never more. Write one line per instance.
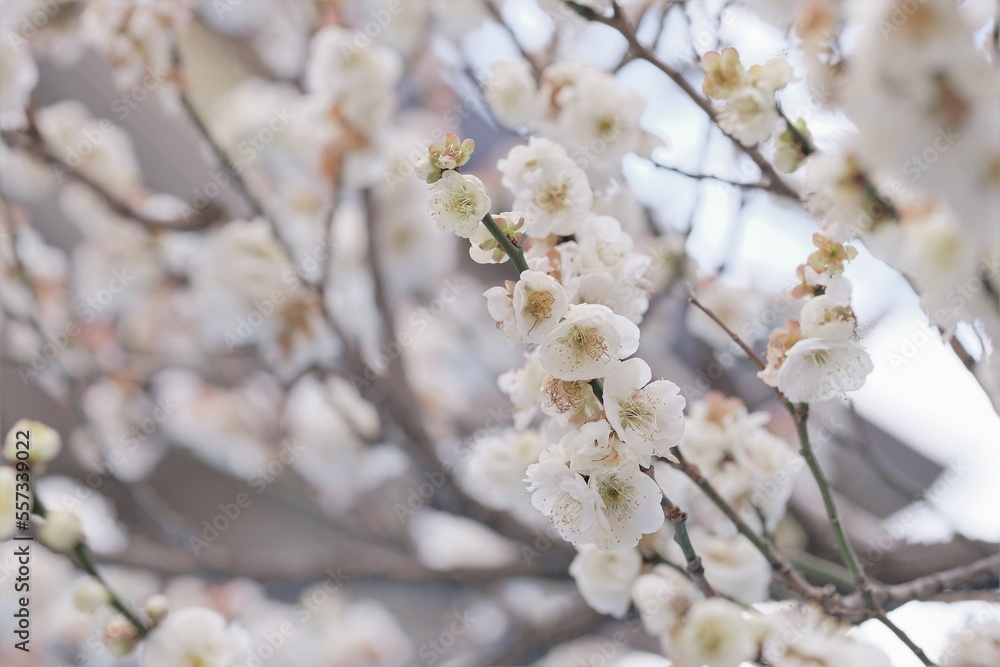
(817, 370)
(605, 578)
(648, 416)
(612, 509)
(563, 495)
(458, 203)
(196, 636)
(716, 633)
(829, 318)
(593, 447)
(588, 343)
(749, 116)
(629, 506)
(539, 303)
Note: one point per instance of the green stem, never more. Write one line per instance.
(694, 566)
(85, 562)
(847, 553)
(517, 257)
(823, 569)
(850, 557)
(516, 254)
(779, 562)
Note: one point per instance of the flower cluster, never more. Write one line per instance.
(182, 621)
(750, 114)
(749, 466)
(699, 631)
(816, 357)
(575, 302)
(588, 111)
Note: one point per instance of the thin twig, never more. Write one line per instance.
(709, 177)
(754, 357)
(850, 557)
(617, 20)
(678, 518)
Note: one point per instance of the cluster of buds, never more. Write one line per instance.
(789, 151)
(450, 154)
(750, 113)
(825, 263)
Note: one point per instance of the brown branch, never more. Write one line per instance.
(983, 573)
(780, 563)
(775, 184)
(31, 143)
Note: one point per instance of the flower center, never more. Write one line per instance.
(607, 127)
(564, 395)
(463, 203)
(637, 414)
(587, 342)
(554, 196)
(820, 357)
(616, 494)
(539, 305)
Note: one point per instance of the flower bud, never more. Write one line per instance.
(61, 531)
(120, 636)
(156, 608)
(42, 443)
(89, 595)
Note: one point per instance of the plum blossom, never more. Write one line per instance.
(612, 509)
(648, 416)
(458, 203)
(588, 343)
(196, 636)
(817, 370)
(717, 633)
(605, 578)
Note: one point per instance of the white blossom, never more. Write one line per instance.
(613, 509)
(458, 203)
(539, 302)
(513, 95)
(750, 115)
(977, 644)
(548, 186)
(715, 633)
(496, 467)
(663, 597)
(828, 318)
(196, 636)
(588, 343)
(41, 443)
(648, 416)
(605, 578)
(817, 370)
